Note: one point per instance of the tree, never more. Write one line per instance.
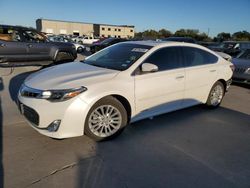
(186, 33)
(193, 33)
(163, 33)
(241, 36)
(223, 37)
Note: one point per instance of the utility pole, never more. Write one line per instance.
(208, 31)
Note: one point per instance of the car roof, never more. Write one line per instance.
(169, 43)
(17, 26)
(148, 42)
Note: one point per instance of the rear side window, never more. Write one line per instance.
(196, 57)
(9, 34)
(166, 58)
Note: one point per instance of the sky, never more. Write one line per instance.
(209, 16)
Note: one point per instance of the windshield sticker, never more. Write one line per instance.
(143, 50)
(124, 65)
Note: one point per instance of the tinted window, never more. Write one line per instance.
(33, 36)
(166, 58)
(9, 34)
(196, 56)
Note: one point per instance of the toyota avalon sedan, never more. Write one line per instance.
(123, 83)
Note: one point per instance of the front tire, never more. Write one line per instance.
(106, 119)
(216, 95)
(79, 50)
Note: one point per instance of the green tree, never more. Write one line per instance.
(193, 33)
(223, 36)
(241, 36)
(163, 33)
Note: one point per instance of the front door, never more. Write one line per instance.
(162, 90)
(12, 48)
(38, 49)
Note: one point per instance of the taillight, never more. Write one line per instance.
(232, 67)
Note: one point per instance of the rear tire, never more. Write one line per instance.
(216, 95)
(106, 119)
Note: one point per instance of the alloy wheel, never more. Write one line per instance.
(105, 120)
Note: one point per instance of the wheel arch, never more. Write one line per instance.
(125, 103)
(223, 82)
(123, 100)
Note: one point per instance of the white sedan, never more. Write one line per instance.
(120, 84)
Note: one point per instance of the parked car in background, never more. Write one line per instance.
(89, 40)
(79, 47)
(103, 44)
(180, 39)
(77, 39)
(232, 48)
(123, 83)
(25, 46)
(242, 67)
(209, 44)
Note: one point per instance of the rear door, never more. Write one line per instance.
(12, 48)
(201, 73)
(38, 48)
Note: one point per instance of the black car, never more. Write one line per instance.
(103, 44)
(25, 46)
(232, 48)
(242, 67)
(180, 39)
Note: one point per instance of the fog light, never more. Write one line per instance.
(53, 127)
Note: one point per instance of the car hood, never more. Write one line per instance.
(69, 75)
(241, 62)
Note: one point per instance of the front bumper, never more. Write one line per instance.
(71, 113)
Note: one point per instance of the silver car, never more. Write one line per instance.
(242, 67)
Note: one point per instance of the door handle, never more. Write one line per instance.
(212, 71)
(29, 45)
(2, 45)
(179, 77)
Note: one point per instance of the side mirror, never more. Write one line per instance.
(149, 67)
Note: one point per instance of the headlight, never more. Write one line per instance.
(61, 95)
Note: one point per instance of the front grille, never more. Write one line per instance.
(240, 70)
(30, 114)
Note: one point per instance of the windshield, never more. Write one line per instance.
(244, 55)
(227, 45)
(118, 57)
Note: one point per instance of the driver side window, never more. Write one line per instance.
(166, 58)
(33, 36)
